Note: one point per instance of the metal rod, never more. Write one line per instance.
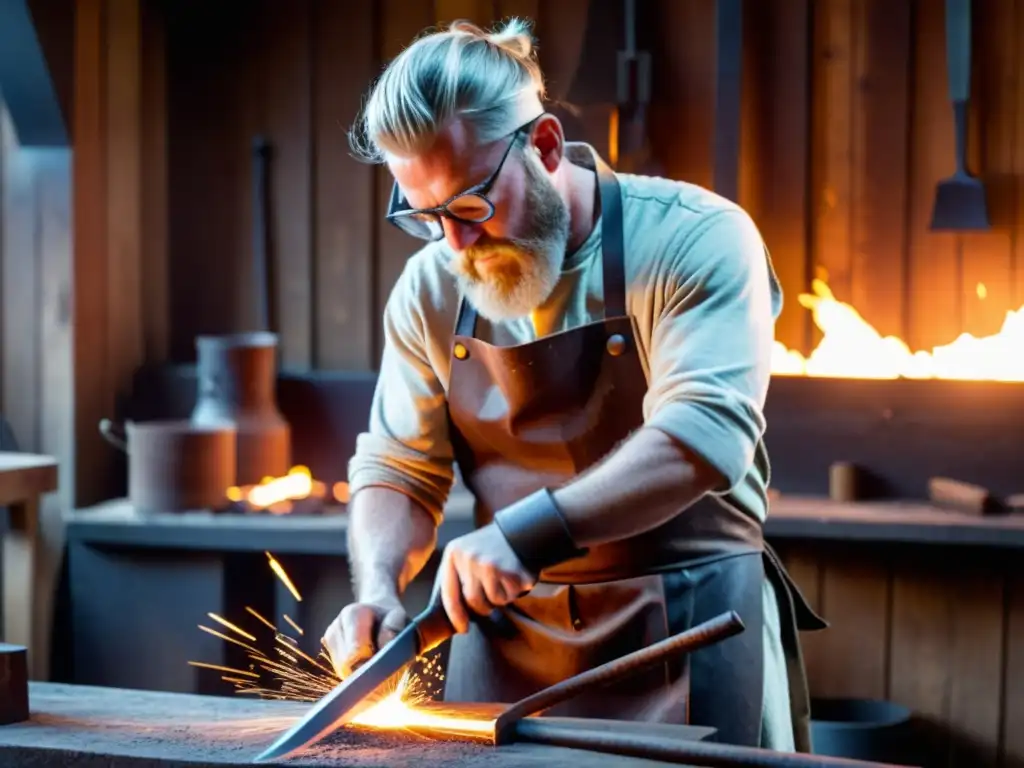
(261, 232)
(630, 26)
(711, 631)
(619, 741)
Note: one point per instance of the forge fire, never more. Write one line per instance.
(851, 348)
(294, 493)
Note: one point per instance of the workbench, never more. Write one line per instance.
(24, 478)
(149, 580)
(86, 727)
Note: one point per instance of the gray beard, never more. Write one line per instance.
(500, 303)
(541, 252)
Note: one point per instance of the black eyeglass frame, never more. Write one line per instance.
(400, 216)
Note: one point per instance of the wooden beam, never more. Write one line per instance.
(123, 136)
(25, 80)
(93, 397)
(36, 381)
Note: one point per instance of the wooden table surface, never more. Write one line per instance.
(77, 726)
(25, 475)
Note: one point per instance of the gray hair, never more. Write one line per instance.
(489, 80)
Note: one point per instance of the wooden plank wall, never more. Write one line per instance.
(296, 75)
(882, 138)
(36, 339)
(908, 625)
(121, 316)
(847, 129)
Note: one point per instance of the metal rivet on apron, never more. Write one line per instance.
(577, 624)
(460, 352)
(616, 344)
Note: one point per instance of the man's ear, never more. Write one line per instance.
(548, 140)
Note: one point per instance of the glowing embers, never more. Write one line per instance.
(294, 493)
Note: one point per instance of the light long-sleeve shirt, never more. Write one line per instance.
(704, 296)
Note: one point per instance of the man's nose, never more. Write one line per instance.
(461, 236)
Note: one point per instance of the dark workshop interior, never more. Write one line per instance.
(179, 211)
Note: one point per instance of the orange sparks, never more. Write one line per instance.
(295, 626)
(279, 572)
(219, 668)
(253, 612)
(237, 630)
(293, 675)
(222, 636)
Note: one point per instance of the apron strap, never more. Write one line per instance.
(613, 250)
(465, 325)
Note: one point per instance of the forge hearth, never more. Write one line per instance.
(899, 432)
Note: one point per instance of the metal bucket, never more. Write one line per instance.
(175, 465)
(863, 729)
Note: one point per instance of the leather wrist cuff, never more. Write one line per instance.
(537, 532)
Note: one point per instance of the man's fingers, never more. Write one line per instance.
(335, 641)
(394, 621)
(358, 637)
(451, 595)
(473, 592)
(495, 591)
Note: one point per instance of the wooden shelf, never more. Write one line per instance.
(116, 523)
(793, 517)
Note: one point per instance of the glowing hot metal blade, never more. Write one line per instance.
(356, 694)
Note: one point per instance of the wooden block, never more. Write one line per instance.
(960, 496)
(13, 684)
(1014, 503)
(843, 482)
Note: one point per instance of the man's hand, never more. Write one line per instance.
(360, 630)
(480, 572)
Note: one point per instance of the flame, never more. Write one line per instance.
(297, 676)
(851, 348)
(276, 494)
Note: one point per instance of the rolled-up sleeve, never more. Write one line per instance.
(711, 345)
(406, 446)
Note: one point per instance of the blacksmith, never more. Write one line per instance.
(593, 350)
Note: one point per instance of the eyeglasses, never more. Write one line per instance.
(468, 207)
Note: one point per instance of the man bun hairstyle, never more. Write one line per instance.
(488, 79)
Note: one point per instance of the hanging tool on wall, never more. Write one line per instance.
(629, 147)
(960, 203)
(261, 234)
(728, 92)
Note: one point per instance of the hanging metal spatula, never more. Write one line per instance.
(960, 203)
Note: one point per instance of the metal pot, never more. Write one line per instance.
(175, 465)
(237, 387)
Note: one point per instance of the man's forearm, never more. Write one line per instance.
(390, 539)
(645, 482)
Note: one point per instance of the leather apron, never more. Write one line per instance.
(537, 415)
